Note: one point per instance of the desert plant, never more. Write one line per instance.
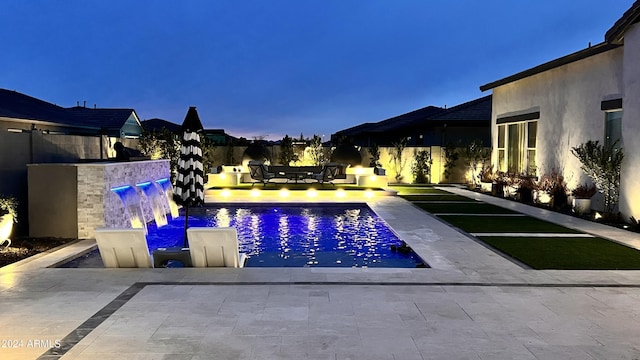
(525, 187)
(396, 157)
(9, 205)
(374, 150)
(450, 158)
(161, 144)
(475, 155)
(229, 159)
(346, 153)
(554, 185)
(487, 175)
(287, 155)
(584, 191)
(602, 163)
(421, 167)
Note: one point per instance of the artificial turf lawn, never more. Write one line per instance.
(567, 253)
(408, 190)
(513, 224)
(294, 186)
(437, 197)
(464, 208)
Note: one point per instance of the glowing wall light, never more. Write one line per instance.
(225, 193)
(340, 193)
(312, 193)
(368, 193)
(283, 193)
(255, 192)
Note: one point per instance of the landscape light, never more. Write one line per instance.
(225, 193)
(368, 193)
(283, 192)
(341, 193)
(312, 193)
(255, 192)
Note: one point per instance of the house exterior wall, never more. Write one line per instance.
(569, 100)
(629, 180)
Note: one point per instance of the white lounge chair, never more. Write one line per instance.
(123, 248)
(215, 247)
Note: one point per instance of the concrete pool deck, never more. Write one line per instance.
(472, 304)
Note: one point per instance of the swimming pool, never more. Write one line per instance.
(296, 235)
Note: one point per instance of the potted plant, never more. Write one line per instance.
(526, 186)
(8, 216)
(374, 150)
(554, 186)
(487, 177)
(499, 182)
(582, 198)
(602, 163)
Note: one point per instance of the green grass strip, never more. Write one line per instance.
(408, 190)
(464, 208)
(436, 197)
(568, 253)
(294, 186)
(519, 224)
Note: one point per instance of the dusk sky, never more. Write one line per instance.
(274, 67)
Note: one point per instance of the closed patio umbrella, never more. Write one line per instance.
(189, 188)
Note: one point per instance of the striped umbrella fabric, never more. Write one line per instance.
(189, 188)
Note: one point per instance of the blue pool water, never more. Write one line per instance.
(341, 235)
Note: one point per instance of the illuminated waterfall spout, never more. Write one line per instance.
(156, 199)
(169, 204)
(131, 201)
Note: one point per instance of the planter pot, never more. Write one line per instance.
(582, 206)
(6, 225)
(525, 195)
(497, 190)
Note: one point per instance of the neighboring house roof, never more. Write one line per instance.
(406, 120)
(19, 106)
(475, 110)
(614, 38)
(101, 118)
(156, 124)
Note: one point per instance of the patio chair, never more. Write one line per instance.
(330, 172)
(215, 247)
(259, 173)
(123, 248)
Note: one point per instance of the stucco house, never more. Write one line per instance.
(539, 114)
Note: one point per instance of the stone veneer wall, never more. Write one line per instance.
(98, 206)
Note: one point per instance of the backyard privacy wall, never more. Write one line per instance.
(221, 153)
(71, 200)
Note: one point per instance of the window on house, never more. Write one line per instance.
(517, 147)
(532, 136)
(501, 150)
(613, 128)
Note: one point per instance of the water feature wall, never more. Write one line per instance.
(70, 200)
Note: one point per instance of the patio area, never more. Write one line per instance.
(471, 304)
